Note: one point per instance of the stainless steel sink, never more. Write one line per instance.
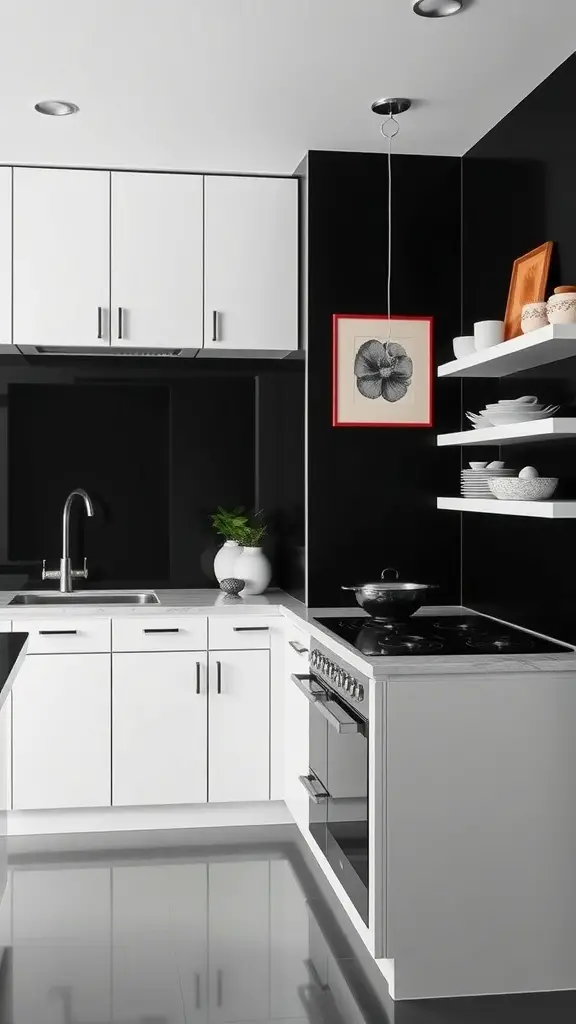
(94, 597)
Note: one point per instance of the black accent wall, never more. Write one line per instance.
(519, 191)
(372, 491)
(158, 444)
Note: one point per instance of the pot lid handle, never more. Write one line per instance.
(389, 569)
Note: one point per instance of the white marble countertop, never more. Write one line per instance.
(276, 602)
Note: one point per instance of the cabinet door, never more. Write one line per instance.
(157, 259)
(159, 728)
(61, 257)
(61, 732)
(251, 264)
(239, 726)
(296, 730)
(239, 941)
(5, 256)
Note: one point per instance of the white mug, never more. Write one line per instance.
(463, 346)
(488, 333)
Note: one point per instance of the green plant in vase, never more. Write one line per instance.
(229, 524)
(252, 565)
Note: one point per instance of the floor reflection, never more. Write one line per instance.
(189, 935)
(240, 931)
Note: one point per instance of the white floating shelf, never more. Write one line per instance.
(536, 509)
(546, 345)
(551, 429)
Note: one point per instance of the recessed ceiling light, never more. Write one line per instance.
(437, 8)
(56, 108)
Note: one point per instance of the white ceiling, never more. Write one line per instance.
(251, 85)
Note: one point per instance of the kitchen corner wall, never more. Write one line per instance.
(519, 192)
(372, 491)
(158, 444)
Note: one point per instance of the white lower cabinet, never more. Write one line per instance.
(239, 726)
(61, 732)
(296, 728)
(159, 728)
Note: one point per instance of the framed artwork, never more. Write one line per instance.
(527, 284)
(380, 381)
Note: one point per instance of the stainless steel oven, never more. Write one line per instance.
(337, 780)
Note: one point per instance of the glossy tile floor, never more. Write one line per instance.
(165, 929)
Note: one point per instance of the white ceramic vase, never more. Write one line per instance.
(253, 566)
(225, 560)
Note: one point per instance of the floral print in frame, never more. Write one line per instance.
(382, 371)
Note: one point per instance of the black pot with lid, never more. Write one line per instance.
(391, 600)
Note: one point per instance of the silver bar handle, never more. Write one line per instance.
(100, 322)
(120, 323)
(299, 648)
(197, 677)
(336, 716)
(219, 987)
(304, 684)
(315, 790)
(219, 677)
(215, 325)
(197, 987)
(175, 629)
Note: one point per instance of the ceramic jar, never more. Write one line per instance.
(225, 561)
(534, 315)
(561, 306)
(253, 567)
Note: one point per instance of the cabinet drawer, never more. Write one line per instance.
(66, 635)
(160, 633)
(241, 634)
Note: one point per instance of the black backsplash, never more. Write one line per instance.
(519, 192)
(372, 491)
(158, 445)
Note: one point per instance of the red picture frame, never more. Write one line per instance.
(350, 408)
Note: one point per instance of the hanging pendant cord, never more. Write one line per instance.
(389, 288)
(389, 129)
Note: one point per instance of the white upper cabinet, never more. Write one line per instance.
(251, 264)
(5, 256)
(61, 257)
(157, 260)
(239, 726)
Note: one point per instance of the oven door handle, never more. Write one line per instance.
(304, 684)
(314, 788)
(336, 716)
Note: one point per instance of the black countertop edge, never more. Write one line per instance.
(12, 653)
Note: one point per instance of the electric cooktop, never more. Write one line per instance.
(442, 634)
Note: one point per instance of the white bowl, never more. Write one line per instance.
(463, 346)
(515, 489)
(478, 465)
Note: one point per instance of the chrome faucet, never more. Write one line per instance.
(66, 573)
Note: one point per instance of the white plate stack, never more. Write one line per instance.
(508, 411)
(474, 482)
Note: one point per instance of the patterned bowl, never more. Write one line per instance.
(512, 488)
(232, 585)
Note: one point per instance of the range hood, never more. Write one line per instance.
(106, 350)
(143, 353)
